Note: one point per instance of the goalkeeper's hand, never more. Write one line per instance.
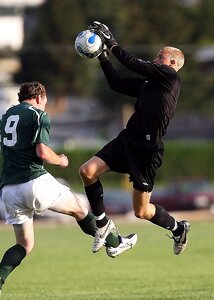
(105, 34)
(104, 55)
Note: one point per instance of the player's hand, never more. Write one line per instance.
(104, 55)
(103, 31)
(64, 162)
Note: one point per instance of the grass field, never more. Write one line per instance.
(63, 267)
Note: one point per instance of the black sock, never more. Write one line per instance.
(162, 218)
(11, 259)
(94, 194)
(179, 230)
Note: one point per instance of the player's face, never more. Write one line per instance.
(43, 101)
(163, 58)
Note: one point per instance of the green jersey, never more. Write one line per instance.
(22, 127)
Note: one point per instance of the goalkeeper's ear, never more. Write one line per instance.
(172, 63)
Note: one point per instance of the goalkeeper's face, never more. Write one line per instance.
(163, 58)
(171, 57)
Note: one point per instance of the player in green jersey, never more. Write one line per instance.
(27, 188)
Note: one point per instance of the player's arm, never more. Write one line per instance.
(129, 60)
(140, 66)
(45, 153)
(41, 139)
(162, 74)
(128, 86)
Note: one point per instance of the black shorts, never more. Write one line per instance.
(125, 154)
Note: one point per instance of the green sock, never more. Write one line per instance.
(88, 226)
(11, 259)
(112, 240)
(4, 273)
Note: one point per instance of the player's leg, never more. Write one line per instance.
(143, 172)
(157, 214)
(12, 258)
(115, 243)
(143, 209)
(90, 173)
(69, 204)
(21, 217)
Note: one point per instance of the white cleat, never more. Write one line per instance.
(1, 283)
(127, 243)
(181, 241)
(101, 234)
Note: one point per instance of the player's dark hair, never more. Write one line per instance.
(30, 90)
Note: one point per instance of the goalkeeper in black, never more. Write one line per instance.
(138, 149)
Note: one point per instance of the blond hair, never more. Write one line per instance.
(175, 54)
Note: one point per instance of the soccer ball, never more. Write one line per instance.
(88, 44)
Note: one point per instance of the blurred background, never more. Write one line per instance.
(37, 43)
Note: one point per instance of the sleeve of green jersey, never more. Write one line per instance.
(44, 130)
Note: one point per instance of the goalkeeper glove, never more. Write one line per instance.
(105, 34)
(104, 55)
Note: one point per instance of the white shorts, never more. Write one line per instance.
(35, 196)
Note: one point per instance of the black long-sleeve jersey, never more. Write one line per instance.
(157, 92)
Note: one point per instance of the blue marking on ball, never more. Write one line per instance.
(91, 40)
(81, 33)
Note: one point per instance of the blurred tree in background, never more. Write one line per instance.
(48, 52)
(141, 26)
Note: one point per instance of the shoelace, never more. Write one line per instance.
(174, 238)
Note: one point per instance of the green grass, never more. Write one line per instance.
(62, 266)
